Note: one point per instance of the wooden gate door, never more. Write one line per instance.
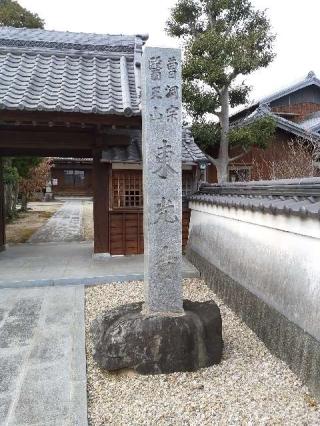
(126, 216)
(126, 232)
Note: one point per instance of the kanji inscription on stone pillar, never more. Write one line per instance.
(162, 139)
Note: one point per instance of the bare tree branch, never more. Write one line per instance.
(296, 162)
(214, 161)
(216, 88)
(238, 156)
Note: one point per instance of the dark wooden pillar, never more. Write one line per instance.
(101, 177)
(2, 210)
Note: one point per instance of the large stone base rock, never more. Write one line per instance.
(155, 344)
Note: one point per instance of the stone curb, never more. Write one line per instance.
(79, 409)
(104, 279)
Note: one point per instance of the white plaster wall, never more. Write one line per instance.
(298, 225)
(276, 257)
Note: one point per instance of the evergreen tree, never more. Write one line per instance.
(224, 41)
(14, 15)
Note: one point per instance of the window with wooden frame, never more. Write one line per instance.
(188, 184)
(127, 191)
(74, 177)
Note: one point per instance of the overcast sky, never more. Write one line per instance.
(295, 23)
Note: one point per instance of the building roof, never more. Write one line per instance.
(312, 122)
(311, 79)
(71, 72)
(191, 153)
(296, 129)
(72, 160)
(300, 197)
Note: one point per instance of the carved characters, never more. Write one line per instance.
(165, 109)
(166, 258)
(172, 92)
(160, 92)
(156, 114)
(165, 212)
(172, 113)
(163, 157)
(155, 66)
(172, 66)
(156, 92)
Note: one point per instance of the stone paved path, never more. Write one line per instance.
(42, 357)
(64, 225)
(69, 263)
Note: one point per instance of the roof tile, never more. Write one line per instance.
(72, 72)
(191, 153)
(299, 197)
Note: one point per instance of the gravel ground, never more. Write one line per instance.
(249, 387)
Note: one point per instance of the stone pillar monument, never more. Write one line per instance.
(161, 147)
(164, 334)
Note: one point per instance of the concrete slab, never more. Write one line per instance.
(43, 374)
(42, 400)
(4, 406)
(10, 368)
(69, 264)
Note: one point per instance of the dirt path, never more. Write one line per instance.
(87, 220)
(22, 228)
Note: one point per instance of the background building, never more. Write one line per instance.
(296, 111)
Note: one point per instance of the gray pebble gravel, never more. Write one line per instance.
(249, 387)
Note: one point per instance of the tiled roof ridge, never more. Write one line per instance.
(296, 182)
(312, 115)
(8, 33)
(264, 110)
(42, 41)
(311, 122)
(79, 33)
(86, 159)
(64, 46)
(300, 197)
(296, 127)
(310, 79)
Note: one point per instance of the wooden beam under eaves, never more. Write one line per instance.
(71, 118)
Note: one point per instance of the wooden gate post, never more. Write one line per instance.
(2, 210)
(101, 177)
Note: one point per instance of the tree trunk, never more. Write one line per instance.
(6, 189)
(222, 172)
(15, 196)
(10, 193)
(24, 202)
(10, 200)
(223, 159)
